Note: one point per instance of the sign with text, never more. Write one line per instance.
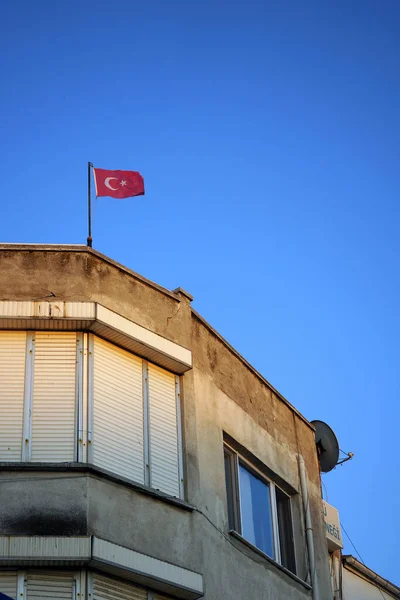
(332, 526)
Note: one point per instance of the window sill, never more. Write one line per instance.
(88, 468)
(237, 535)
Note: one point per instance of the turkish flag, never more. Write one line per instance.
(118, 184)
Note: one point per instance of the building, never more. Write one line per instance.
(141, 457)
(352, 580)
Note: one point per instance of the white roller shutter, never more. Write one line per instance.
(54, 436)
(50, 586)
(8, 583)
(105, 588)
(118, 411)
(12, 380)
(164, 457)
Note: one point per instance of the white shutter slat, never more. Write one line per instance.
(105, 588)
(54, 398)
(8, 583)
(42, 586)
(118, 411)
(12, 383)
(164, 458)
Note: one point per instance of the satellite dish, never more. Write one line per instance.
(327, 446)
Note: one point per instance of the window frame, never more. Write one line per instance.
(234, 459)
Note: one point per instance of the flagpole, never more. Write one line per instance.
(89, 238)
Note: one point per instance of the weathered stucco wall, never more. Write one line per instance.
(83, 275)
(131, 519)
(222, 394)
(42, 503)
(230, 397)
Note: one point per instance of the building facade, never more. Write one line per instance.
(352, 580)
(141, 456)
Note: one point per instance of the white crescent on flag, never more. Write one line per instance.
(107, 183)
(118, 184)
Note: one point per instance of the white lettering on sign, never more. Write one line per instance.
(332, 526)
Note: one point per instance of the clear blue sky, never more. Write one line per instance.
(268, 133)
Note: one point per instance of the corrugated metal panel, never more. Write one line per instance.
(164, 460)
(105, 588)
(54, 436)
(45, 547)
(12, 380)
(46, 324)
(80, 310)
(8, 583)
(118, 411)
(49, 586)
(11, 308)
(49, 309)
(55, 309)
(153, 340)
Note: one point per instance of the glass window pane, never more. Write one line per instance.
(255, 507)
(285, 530)
(229, 489)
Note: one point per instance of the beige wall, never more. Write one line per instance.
(356, 587)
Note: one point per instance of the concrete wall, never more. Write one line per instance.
(222, 394)
(42, 503)
(80, 504)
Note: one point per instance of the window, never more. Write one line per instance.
(134, 418)
(37, 584)
(71, 396)
(61, 585)
(258, 509)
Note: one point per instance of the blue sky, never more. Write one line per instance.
(268, 134)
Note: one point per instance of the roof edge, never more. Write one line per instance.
(83, 248)
(174, 296)
(251, 368)
(350, 561)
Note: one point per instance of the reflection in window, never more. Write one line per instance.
(258, 509)
(255, 510)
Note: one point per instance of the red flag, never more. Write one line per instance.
(118, 184)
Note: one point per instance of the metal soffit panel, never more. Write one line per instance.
(136, 347)
(90, 316)
(106, 556)
(146, 337)
(157, 573)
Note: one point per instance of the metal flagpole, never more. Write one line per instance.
(89, 238)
